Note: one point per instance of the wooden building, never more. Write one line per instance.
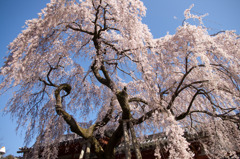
(72, 147)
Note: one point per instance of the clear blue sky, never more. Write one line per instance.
(223, 15)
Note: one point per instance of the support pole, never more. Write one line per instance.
(135, 142)
(87, 156)
(126, 141)
(82, 151)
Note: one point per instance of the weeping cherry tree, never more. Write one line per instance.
(94, 61)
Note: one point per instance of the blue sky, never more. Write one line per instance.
(162, 16)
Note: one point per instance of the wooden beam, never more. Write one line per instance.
(82, 151)
(135, 142)
(87, 156)
(126, 141)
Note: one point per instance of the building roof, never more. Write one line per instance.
(2, 150)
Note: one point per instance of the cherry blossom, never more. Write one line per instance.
(87, 66)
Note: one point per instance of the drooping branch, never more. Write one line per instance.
(176, 92)
(230, 75)
(107, 117)
(209, 98)
(51, 68)
(180, 84)
(224, 116)
(35, 98)
(183, 115)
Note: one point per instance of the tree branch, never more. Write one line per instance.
(50, 83)
(67, 117)
(74, 126)
(183, 115)
(177, 91)
(105, 81)
(148, 115)
(137, 99)
(222, 116)
(78, 29)
(107, 117)
(222, 31)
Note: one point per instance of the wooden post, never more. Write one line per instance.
(135, 142)
(82, 151)
(88, 150)
(126, 141)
